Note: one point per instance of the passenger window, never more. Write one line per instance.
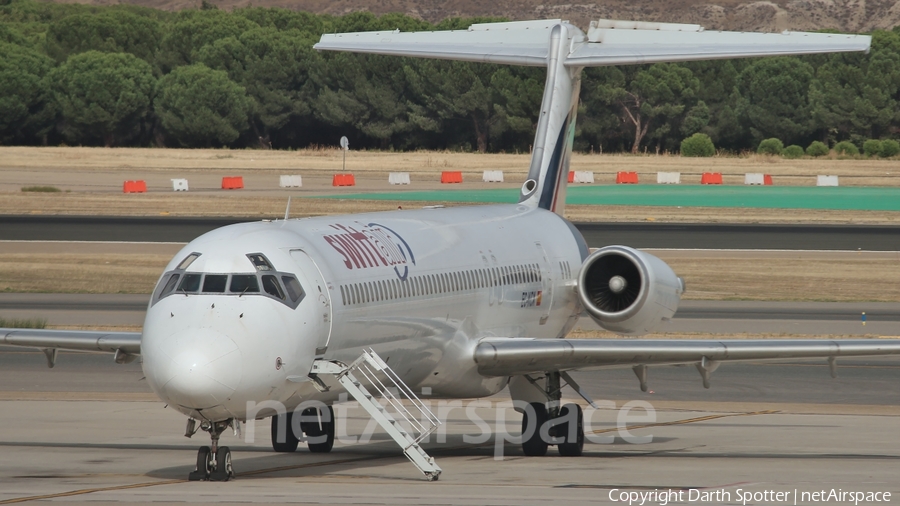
(215, 283)
(187, 261)
(170, 285)
(271, 286)
(190, 283)
(244, 283)
(294, 290)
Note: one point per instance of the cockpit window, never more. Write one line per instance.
(187, 261)
(271, 286)
(215, 283)
(190, 283)
(294, 290)
(170, 285)
(244, 283)
(260, 262)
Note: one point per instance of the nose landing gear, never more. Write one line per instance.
(213, 462)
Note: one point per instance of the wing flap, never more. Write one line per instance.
(74, 340)
(510, 357)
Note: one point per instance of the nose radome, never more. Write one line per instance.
(204, 370)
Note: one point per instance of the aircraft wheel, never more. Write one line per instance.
(224, 470)
(534, 445)
(321, 437)
(576, 447)
(290, 439)
(204, 465)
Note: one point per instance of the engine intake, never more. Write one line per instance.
(628, 291)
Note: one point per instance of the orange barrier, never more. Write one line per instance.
(343, 180)
(711, 178)
(451, 177)
(767, 180)
(571, 176)
(139, 186)
(626, 178)
(232, 183)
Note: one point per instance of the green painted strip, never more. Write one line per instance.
(784, 197)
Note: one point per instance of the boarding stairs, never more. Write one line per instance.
(369, 371)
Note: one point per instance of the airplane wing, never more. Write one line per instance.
(125, 345)
(516, 356)
(607, 42)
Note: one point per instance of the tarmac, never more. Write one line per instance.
(89, 431)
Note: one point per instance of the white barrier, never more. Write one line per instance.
(826, 181)
(180, 185)
(668, 178)
(398, 178)
(754, 178)
(583, 176)
(290, 181)
(492, 176)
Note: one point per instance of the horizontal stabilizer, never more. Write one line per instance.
(606, 43)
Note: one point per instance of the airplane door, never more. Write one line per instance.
(546, 284)
(316, 290)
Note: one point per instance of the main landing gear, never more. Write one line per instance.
(316, 425)
(213, 461)
(546, 424)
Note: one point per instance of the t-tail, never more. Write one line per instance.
(565, 51)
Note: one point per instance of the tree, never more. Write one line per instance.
(201, 107)
(104, 98)
(194, 29)
(112, 31)
(658, 95)
(26, 107)
(773, 99)
(855, 96)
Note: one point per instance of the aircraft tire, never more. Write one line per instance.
(290, 439)
(204, 465)
(572, 448)
(535, 445)
(327, 429)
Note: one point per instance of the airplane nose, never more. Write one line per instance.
(204, 368)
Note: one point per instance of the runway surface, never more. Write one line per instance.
(639, 235)
(89, 431)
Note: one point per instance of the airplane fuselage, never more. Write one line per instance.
(419, 287)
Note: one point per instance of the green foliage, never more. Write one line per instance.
(889, 148)
(792, 151)
(773, 98)
(872, 147)
(296, 97)
(698, 145)
(113, 31)
(26, 108)
(846, 148)
(103, 98)
(770, 146)
(198, 106)
(41, 189)
(817, 148)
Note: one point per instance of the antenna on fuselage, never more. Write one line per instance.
(287, 210)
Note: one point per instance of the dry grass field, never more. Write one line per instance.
(91, 181)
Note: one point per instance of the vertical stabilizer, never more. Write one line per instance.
(549, 170)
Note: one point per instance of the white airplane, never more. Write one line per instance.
(463, 301)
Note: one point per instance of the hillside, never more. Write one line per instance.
(844, 15)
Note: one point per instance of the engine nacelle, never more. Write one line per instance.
(628, 291)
